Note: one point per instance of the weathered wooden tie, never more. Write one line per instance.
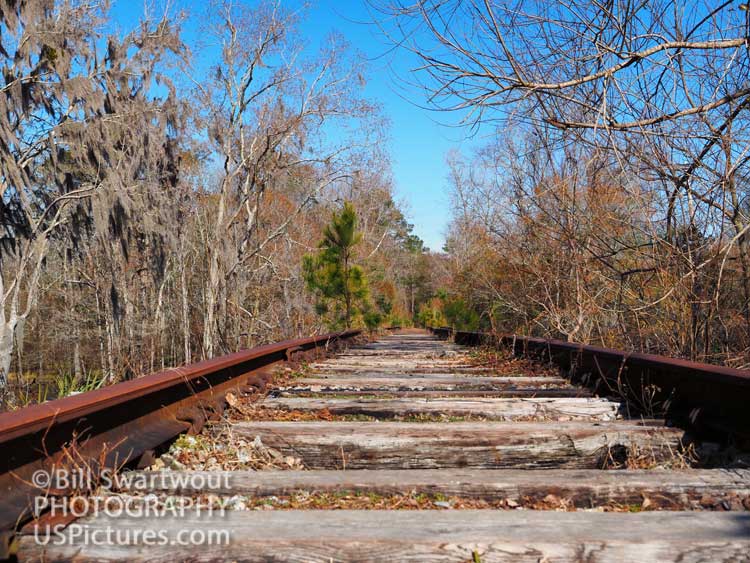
(417, 445)
(565, 409)
(470, 535)
(583, 488)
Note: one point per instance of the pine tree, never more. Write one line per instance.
(331, 273)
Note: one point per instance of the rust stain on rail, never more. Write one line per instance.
(124, 423)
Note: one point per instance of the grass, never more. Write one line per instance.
(25, 394)
(66, 383)
(30, 388)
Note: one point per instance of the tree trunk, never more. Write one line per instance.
(347, 294)
(185, 310)
(102, 327)
(7, 330)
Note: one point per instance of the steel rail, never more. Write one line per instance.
(707, 399)
(125, 423)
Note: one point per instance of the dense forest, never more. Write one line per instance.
(166, 201)
(152, 216)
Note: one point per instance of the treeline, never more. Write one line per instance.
(155, 214)
(612, 204)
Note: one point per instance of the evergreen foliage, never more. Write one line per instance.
(339, 284)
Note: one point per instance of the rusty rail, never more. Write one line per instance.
(710, 400)
(125, 423)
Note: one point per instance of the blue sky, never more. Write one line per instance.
(419, 143)
(419, 138)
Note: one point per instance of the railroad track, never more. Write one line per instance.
(410, 447)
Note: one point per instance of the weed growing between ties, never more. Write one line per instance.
(635, 457)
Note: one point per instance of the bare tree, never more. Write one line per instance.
(65, 130)
(611, 66)
(265, 109)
